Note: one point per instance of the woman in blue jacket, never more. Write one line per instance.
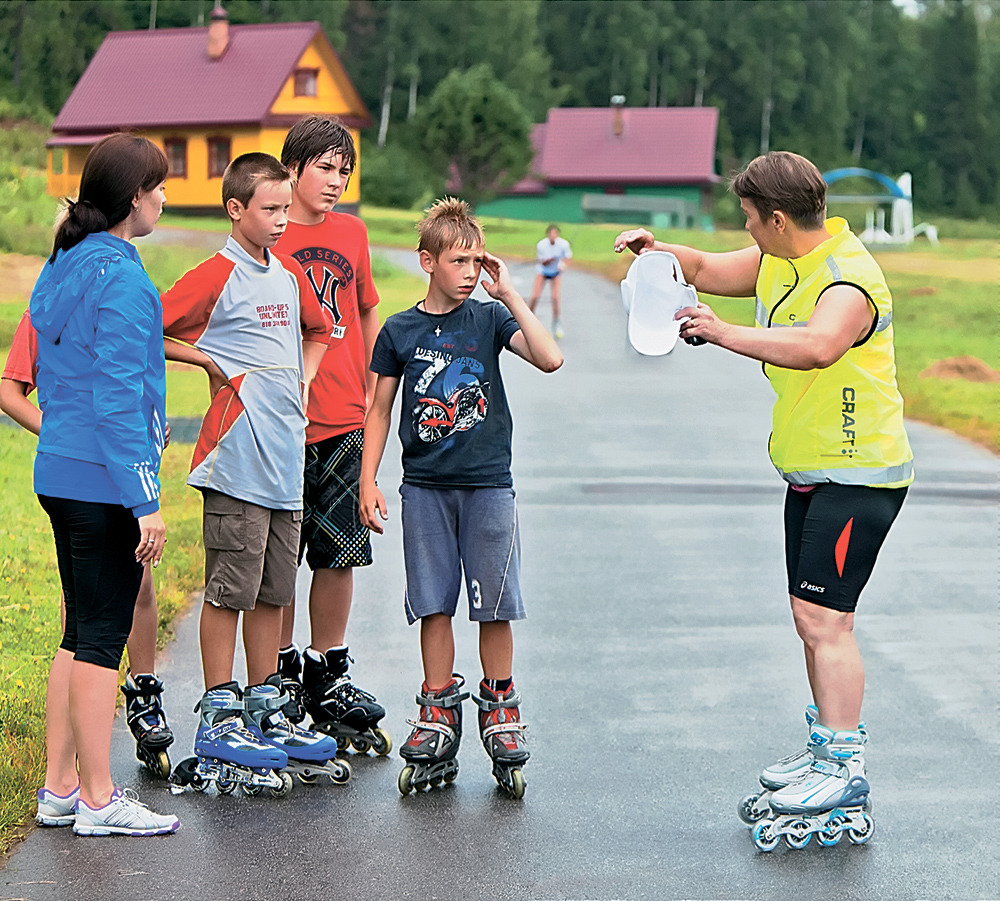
(101, 386)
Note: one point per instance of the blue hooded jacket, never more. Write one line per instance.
(101, 376)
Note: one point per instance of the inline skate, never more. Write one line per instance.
(290, 671)
(338, 707)
(502, 733)
(431, 748)
(148, 723)
(756, 806)
(831, 798)
(310, 754)
(229, 750)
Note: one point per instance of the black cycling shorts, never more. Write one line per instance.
(833, 534)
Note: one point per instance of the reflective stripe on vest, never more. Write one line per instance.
(886, 475)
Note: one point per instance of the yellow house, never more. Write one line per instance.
(205, 95)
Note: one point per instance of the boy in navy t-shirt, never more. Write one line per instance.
(458, 506)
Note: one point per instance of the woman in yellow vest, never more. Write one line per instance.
(823, 334)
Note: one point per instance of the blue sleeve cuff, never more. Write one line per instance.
(145, 509)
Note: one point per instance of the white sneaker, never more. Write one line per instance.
(124, 814)
(55, 810)
(557, 330)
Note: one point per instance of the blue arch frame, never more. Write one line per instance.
(894, 190)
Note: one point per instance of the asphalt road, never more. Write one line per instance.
(659, 671)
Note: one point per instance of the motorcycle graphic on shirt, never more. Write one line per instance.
(463, 406)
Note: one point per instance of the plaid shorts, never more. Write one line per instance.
(332, 533)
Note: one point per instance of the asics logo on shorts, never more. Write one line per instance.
(819, 589)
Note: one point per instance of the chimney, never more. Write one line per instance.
(618, 122)
(218, 32)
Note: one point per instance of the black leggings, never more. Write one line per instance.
(95, 547)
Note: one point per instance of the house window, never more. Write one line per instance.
(219, 153)
(176, 150)
(305, 82)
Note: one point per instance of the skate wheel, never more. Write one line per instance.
(199, 784)
(860, 836)
(450, 776)
(405, 781)
(342, 772)
(225, 786)
(361, 745)
(162, 768)
(342, 742)
(517, 784)
(798, 839)
(830, 835)
(252, 790)
(748, 811)
(286, 786)
(381, 742)
(308, 778)
(764, 837)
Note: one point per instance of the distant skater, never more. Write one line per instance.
(552, 252)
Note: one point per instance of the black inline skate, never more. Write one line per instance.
(431, 748)
(290, 670)
(145, 717)
(338, 707)
(502, 732)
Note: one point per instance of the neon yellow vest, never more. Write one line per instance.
(844, 423)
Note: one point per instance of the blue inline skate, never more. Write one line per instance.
(828, 800)
(310, 754)
(228, 752)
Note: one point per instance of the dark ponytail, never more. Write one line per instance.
(116, 169)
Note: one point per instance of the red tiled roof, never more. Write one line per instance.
(657, 145)
(148, 79)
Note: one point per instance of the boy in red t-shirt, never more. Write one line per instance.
(333, 250)
(142, 689)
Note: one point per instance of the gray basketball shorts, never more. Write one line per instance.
(451, 531)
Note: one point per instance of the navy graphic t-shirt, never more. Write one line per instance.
(455, 425)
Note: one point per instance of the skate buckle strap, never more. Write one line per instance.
(443, 728)
(269, 701)
(504, 727)
(513, 700)
(446, 701)
(220, 702)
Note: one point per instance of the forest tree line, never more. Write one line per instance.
(845, 82)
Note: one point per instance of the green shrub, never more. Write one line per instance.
(392, 177)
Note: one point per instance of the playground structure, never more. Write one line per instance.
(899, 199)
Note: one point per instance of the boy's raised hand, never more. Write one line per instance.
(501, 285)
(638, 240)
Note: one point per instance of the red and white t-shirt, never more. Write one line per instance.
(22, 361)
(248, 318)
(336, 260)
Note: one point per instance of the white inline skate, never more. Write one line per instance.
(829, 799)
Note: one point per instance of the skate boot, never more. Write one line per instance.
(829, 799)
(148, 723)
(502, 732)
(431, 748)
(338, 707)
(290, 670)
(229, 750)
(781, 773)
(310, 754)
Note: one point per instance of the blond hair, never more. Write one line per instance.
(449, 223)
